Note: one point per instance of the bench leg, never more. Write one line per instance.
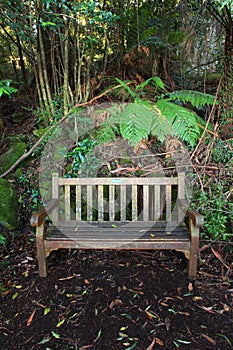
(194, 241)
(41, 256)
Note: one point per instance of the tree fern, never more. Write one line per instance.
(141, 118)
(196, 98)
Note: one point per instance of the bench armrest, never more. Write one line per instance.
(197, 218)
(38, 218)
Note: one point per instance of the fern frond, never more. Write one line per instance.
(161, 127)
(148, 33)
(127, 88)
(196, 98)
(156, 80)
(184, 122)
(135, 122)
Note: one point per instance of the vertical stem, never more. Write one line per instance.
(66, 71)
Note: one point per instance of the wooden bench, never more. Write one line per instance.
(118, 213)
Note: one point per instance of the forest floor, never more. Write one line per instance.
(114, 300)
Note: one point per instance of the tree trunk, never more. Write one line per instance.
(21, 61)
(227, 84)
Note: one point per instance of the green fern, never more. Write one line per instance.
(196, 98)
(156, 80)
(127, 88)
(184, 122)
(161, 127)
(135, 122)
(142, 118)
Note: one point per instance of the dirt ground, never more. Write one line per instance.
(114, 300)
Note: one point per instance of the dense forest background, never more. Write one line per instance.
(60, 56)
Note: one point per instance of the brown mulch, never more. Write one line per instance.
(114, 300)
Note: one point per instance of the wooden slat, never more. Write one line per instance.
(78, 203)
(181, 194)
(111, 203)
(168, 202)
(119, 181)
(89, 203)
(145, 203)
(162, 201)
(55, 195)
(181, 186)
(123, 202)
(156, 202)
(67, 202)
(134, 202)
(100, 203)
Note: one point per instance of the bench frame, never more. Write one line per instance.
(154, 232)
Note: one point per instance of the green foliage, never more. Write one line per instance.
(217, 212)
(29, 194)
(183, 121)
(77, 155)
(5, 88)
(222, 154)
(141, 118)
(195, 98)
(135, 122)
(106, 132)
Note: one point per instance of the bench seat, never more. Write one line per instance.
(77, 202)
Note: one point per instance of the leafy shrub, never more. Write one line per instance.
(76, 156)
(217, 210)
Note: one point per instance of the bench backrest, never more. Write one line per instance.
(117, 199)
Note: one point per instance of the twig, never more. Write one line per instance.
(101, 95)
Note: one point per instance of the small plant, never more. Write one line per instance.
(5, 88)
(77, 155)
(29, 195)
(221, 153)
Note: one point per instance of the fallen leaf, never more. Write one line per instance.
(179, 289)
(197, 298)
(190, 287)
(31, 318)
(167, 323)
(204, 247)
(47, 310)
(66, 278)
(226, 307)
(159, 342)
(60, 323)
(208, 309)
(151, 346)
(116, 302)
(212, 341)
(86, 281)
(149, 315)
(220, 258)
(184, 313)
(55, 335)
